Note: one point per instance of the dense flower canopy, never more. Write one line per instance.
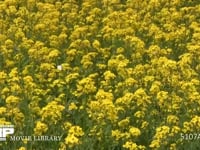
(103, 74)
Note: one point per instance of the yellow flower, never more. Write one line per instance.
(126, 100)
(101, 95)
(144, 124)
(69, 78)
(120, 50)
(67, 125)
(3, 77)
(124, 123)
(162, 98)
(22, 148)
(186, 127)
(2, 110)
(74, 133)
(18, 117)
(139, 114)
(162, 132)
(86, 44)
(71, 140)
(40, 128)
(155, 87)
(117, 134)
(135, 132)
(175, 130)
(130, 82)
(142, 98)
(12, 100)
(4, 122)
(85, 86)
(108, 75)
(130, 145)
(54, 43)
(96, 44)
(76, 130)
(155, 144)
(54, 53)
(39, 27)
(45, 67)
(72, 106)
(102, 108)
(172, 119)
(52, 112)
(9, 44)
(173, 146)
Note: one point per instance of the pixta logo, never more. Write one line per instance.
(5, 130)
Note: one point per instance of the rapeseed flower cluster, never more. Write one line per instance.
(103, 74)
(73, 136)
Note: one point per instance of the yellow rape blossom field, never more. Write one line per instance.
(100, 74)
